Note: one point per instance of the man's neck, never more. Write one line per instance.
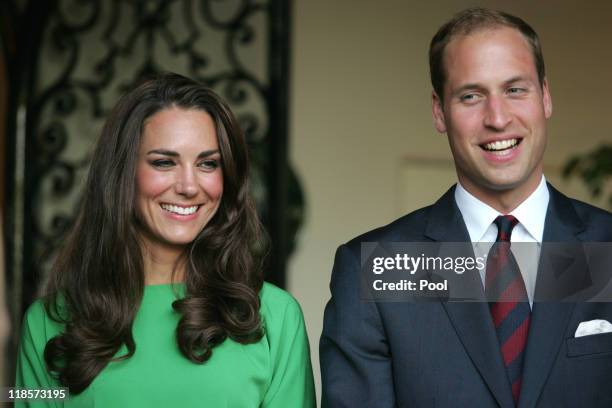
(502, 200)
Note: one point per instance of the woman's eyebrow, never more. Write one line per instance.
(207, 153)
(172, 153)
(163, 152)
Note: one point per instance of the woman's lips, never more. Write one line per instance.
(180, 212)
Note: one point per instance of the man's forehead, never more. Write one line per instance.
(483, 34)
(486, 48)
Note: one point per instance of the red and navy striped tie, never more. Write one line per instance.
(509, 303)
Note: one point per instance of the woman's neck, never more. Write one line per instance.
(162, 264)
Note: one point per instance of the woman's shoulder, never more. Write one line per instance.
(36, 314)
(38, 323)
(277, 303)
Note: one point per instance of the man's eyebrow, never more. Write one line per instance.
(476, 86)
(466, 87)
(515, 79)
(172, 153)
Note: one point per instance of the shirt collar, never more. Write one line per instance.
(531, 213)
(478, 216)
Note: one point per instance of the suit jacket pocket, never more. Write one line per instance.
(590, 345)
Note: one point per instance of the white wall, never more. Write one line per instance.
(360, 111)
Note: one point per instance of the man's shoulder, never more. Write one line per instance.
(408, 228)
(597, 221)
(591, 214)
(593, 221)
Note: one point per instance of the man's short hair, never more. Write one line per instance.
(471, 20)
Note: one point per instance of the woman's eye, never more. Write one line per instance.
(209, 164)
(162, 163)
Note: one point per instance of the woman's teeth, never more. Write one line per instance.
(180, 210)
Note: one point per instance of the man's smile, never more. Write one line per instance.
(501, 145)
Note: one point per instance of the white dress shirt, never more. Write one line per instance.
(531, 214)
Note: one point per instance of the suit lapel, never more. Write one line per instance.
(471, 320)
(549, 319)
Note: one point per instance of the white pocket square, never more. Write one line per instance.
(596, 326)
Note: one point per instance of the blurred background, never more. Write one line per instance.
(334, 97)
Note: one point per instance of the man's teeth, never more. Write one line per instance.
(501, 145)
(180, 210)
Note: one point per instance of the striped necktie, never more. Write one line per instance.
(508, 302)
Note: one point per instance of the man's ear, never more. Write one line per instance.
(546, 99)
(438, 113)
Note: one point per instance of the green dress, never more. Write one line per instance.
(274, 372)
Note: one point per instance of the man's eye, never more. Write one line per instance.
(470, 97)
(209, 164)
(515, 90)
(162, 163)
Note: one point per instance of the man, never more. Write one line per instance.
(491, 98)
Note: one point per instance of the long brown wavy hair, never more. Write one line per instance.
(97, 282)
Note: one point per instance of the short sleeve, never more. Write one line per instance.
(292, 383)
(31, 369)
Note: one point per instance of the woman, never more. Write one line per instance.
(157, 298)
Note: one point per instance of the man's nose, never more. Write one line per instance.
(497, 115)
(186, 183)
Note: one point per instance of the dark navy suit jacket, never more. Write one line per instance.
(446, 354)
